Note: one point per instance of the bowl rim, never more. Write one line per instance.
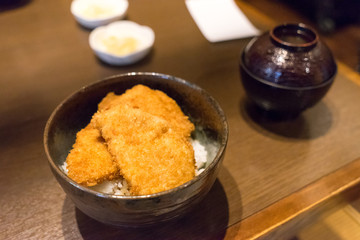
(303, 27)
(99, 30)
(285, 87)
(206, 171)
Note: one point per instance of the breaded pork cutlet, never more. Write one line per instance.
(142, 135)
(89, 162)
(150, 154)
(154, 102)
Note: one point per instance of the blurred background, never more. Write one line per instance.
(337, 22)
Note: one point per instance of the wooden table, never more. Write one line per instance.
(274, 173)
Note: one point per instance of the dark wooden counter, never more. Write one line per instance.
(273, 172)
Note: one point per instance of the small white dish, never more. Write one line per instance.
(122, 42)
(95, 13)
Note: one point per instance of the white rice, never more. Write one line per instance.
(121, 188)
(116, 187)
(200, 156)
(64, 168)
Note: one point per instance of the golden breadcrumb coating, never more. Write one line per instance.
(154, 102)
(151, 156)
(89, 162)
(142, 135)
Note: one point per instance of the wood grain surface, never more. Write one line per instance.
(45, 56)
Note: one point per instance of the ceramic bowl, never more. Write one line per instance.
(95, 13)
(287, 69)
(122, 42)
(75, 112)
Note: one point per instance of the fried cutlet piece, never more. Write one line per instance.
(89, 162)
(154, 102)
(151, 156)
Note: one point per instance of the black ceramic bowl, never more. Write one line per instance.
(287, 69)
(75, 112)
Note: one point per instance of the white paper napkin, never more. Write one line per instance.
(220, 20)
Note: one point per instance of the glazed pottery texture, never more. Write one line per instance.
(287, 69)
(75, 112)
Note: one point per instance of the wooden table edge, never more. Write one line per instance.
(348, 72)
(307, 198)
(288, 208)
(304, 200)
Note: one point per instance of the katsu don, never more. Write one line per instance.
(142, 136)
